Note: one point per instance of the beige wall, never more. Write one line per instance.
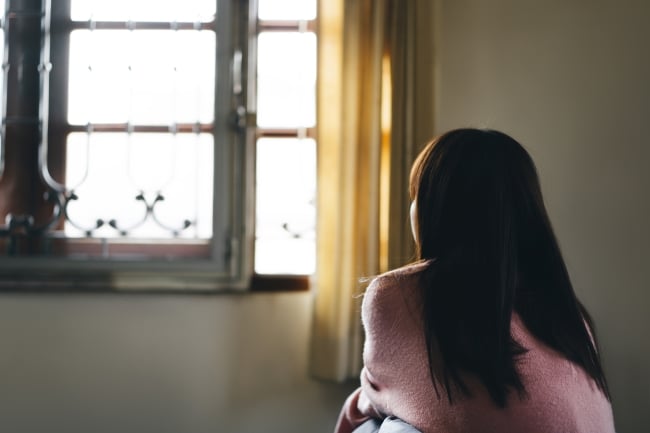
(107, 363)
(571, 80)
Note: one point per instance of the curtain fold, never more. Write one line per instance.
(363, 160)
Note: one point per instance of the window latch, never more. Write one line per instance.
(237, 88)
(238, 116)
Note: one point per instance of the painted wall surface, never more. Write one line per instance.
(571, 81)
(107, 363)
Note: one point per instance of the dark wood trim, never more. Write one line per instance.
(139, 25)
(286, 132)
(279, 283)
(96, 248)
(21, 190)
(126, 127)
(286, 25)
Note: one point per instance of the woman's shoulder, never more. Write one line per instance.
(391, 311)
(396, 288)
(400, 276)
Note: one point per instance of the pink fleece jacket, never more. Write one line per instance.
(395, 380)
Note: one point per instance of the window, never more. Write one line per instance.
(173, 142)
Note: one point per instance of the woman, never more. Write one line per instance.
(484, 332)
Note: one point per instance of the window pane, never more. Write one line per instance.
(142, 76)
(287, 9)
(143, 10)
(286, 188)
(108, 171)
(286, 86)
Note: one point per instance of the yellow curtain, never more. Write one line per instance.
(367, 138)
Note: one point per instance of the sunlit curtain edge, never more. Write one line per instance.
(352, 165)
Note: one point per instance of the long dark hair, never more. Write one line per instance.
(480, 218)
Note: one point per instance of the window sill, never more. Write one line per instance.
(56, 282)
(279, 283)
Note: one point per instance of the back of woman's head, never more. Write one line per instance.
(480, 216)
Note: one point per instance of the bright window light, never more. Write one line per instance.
(286, 79)
(287, 9)
(286, 192)
(143, 10)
